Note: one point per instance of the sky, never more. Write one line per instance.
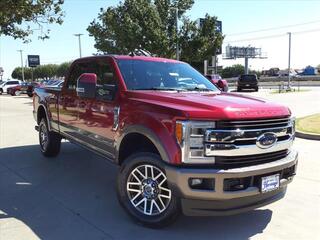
(258, 23)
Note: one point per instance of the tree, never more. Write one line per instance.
(233, 71)
(63, 69)
(42, 72)
(18, 17)
(151, 25)
(199, 43)
(17, 73)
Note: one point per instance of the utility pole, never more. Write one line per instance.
(177, 32)
(79, 39)
(22, 68)
(289, 61)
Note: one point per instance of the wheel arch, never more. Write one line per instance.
(131, 139)
(42, 113)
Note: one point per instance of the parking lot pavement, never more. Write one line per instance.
(302, 103)
(73, 196)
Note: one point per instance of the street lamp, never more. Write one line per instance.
(79, 39)
(22, 68)
(289, 61)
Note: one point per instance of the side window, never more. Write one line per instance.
(76, 71)
(106, 79)
(105, 73)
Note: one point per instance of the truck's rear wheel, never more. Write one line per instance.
(50, 142)
(144, 193)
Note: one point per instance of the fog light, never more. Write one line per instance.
(196, 181)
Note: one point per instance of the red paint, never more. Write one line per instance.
(154, 110)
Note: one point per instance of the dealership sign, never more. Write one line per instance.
(33, 60)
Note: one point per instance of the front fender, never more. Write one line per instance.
(157, 132)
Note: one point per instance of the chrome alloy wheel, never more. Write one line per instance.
(43, 134)
(148, 191)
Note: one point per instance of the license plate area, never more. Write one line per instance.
(270, 183)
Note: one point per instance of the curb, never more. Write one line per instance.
(308, 136)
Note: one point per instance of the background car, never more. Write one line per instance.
(11, 83)
(217, 80)
(31, 87)
(18, 89)
(248, 81)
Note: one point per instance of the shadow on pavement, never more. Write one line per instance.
(73, 197)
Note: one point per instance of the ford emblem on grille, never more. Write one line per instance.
(266, 140)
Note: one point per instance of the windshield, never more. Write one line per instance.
(148, 75)
(248, 77)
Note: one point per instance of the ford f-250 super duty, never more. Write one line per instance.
(181, 143)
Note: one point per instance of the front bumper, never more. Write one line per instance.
(219, 201)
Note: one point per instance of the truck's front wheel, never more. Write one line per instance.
(50, 142)
(144, 193)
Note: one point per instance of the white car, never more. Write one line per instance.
(11, 83)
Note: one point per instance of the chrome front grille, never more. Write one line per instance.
(240, 138)
(254, 124)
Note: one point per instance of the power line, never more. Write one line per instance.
(273, 36)
(273, 28)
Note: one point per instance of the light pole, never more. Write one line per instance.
(22, 68)
(177, 32)
(289, 61)
(79, 39)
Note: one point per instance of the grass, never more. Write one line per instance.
(309, 124)
(293, 90)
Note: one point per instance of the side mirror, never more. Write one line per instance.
(86, 85)
(220, 84)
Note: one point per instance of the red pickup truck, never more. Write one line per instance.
(182, 144)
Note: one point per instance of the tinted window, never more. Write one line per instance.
(12, 82)
(103, 70)
(75, 73)
(145, 75)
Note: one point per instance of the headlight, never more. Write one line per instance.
(190, 136)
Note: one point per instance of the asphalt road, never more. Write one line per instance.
(73, 196)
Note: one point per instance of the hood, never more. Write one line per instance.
(195, 105)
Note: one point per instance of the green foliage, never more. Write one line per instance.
(19, 18)
(42, 72)
(63, 69)
(199, 44)
(233, 71)
(151, 25)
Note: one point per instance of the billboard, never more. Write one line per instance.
(33, 60)
(243, 52)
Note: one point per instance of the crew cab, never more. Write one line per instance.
(181, 144)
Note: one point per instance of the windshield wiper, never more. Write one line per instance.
(160, 89)
(199, 89)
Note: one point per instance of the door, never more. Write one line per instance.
(68, 101)
(96, 117)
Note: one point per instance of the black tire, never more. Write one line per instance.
(49, 141)
(239, 89)
(30, 94)
(256, 89)
(172, 207)
(1, 91)
(12, 93)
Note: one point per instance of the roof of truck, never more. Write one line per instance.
(127, 57)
